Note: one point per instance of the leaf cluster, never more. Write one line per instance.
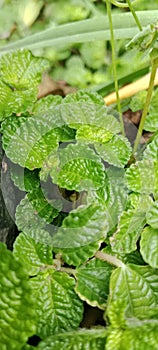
(87, 222)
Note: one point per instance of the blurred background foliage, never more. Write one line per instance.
(81, 65)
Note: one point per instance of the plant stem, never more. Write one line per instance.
(134, 14)
(109, 258)
(67, 270)
(114, 64)
(146, 106)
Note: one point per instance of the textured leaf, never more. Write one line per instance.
(142, 177)
(152, 215)
(49, 104)
(151, 122)
(17, 313)
(77, 167)
(31, 154)
(91, 133)
(91, 339)
(131, 223)
(151, 152)
(93, 282)
(88, 108)
(81, 234)
(58, 307)
(117, 151)
(23, 178)
(33, 141)
(33, 254)
(9, 127)
(149, 246)
(35, 211)
(137, 286)
(137, 337)
(20, 77)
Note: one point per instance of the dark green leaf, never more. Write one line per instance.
(93, 282)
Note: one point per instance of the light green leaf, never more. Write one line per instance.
(151, 151)
(149, 246)
(136, 337)
(138, 287)
(151, 122)
(91, 133)
(77, 167)
(31, 143)
(35, 211)
(20, 77)
(81, 233)
(131, 223)
(82, 31)
(117, 151)
(33, 254)
(88, 108)
(35, 152)
(142, 177)
(152, 215)
(9, 127)
(93, 282)
(58, 307)
(17, 312)
(91, 339)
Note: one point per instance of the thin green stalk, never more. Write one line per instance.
(134, 14)
(114, 64)
(109, 258)
(146, 106)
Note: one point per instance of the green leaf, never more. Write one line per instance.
(144, 39)
(86, 108)
(31, 143)
(17, 312)
(151, 122)
(142, 177)
(91, 339)
(23, 178)
(93, 282)
(77, 167)
(131, 223)
(20, 77)
(151, 151)
(33, 254)
(9, 127)
(117, 151)
(90, 133)
(58, 307)
(81, 233)
(138, 287)
(137, 337)
(88, 30)
(35, 211)
(151, 215)
(149, 246)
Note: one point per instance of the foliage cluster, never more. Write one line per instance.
(88, 228)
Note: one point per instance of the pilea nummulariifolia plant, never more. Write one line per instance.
(88, 228)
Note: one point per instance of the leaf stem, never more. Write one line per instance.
(114, 65)
(67, 270)
(147, 103)
(134, 14)
(109, 258)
